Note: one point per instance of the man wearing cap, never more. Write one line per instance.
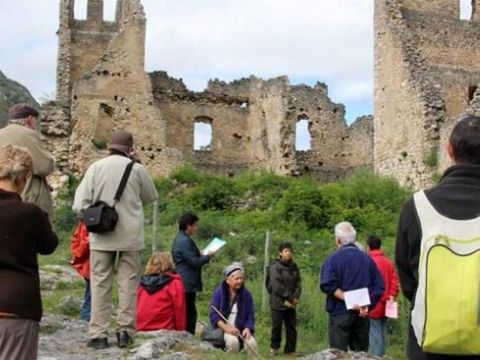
(121, 246)
(21, 132)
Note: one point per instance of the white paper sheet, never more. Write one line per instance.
(359, 297)
(391, 309)
(214, 245)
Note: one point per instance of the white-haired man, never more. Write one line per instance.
(21, 132)
(349, 269)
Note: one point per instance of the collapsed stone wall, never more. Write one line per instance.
(253, 121)
(426, 67)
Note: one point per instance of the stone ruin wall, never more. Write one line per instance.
(253, 126)
(102, 86)
(427, 67)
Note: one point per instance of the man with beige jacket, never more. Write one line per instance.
(21, 132)
(120, 247)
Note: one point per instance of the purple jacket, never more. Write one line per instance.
(246, 311)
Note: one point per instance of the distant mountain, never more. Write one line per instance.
(11, 93)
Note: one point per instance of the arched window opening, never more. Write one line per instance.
(109, 10)
(303, 137)
(80, 9)
(202, 134)
(467, 9)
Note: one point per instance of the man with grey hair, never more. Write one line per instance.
(21, 132)
(348, 269)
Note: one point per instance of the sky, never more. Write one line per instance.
(308, 40)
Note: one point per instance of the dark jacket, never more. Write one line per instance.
(349, 269)
(25, 231)
(245, 308)
(284, 284)
(188, 261)
(457, 196)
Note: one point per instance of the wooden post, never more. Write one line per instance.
(154, 226)
(266, 262)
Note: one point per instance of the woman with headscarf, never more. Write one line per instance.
(161, 296)
(25, 231)
(235, 303)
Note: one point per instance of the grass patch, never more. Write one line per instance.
(242, 210)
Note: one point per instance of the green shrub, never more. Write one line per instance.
(187, 174)
(303, 202)
(431, 158)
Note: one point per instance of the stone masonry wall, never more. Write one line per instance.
(426, 68)
(115, 94)
(253, 126)
(102, 86)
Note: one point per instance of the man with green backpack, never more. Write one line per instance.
(438, 255)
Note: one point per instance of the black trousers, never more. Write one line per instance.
(348, 330)
(289, 317)
(191, 311)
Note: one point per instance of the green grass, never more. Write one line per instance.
(242, 210)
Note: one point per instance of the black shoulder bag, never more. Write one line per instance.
(101, 217)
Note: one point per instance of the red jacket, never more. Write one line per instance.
(80, 249)
(161, 303)
(390, 279)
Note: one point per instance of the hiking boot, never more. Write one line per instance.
(98, 344)
(123, 339)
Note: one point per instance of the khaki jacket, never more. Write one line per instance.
(100, 183)
(37, 190)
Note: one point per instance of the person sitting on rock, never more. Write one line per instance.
(232, 310)
(25, 231)
(161, 296)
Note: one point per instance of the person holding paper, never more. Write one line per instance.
(349, 277)
(378, 318)
(189, 262)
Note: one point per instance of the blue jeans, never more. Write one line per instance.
(378, 336)
(87, 302)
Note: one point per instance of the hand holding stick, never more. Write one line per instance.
(254, 351)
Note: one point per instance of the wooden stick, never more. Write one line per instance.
(254, 351)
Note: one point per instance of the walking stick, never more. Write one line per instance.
(254, 351)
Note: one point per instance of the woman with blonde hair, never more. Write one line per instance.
(161, 296)
(25, 231)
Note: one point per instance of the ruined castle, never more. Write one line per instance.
(427, 69)
(102, 85)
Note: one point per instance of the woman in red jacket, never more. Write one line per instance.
(378, 320)
(161, 296)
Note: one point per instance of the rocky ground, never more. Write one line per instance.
(64, 338)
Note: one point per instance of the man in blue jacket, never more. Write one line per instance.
(188, 263)
(345, 270)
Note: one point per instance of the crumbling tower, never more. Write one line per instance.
(427, 68)
(81, 43)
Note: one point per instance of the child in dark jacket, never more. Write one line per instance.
(284, 286)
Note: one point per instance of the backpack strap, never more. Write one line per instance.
(123, 182)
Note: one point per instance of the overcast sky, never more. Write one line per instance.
(308, 40)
